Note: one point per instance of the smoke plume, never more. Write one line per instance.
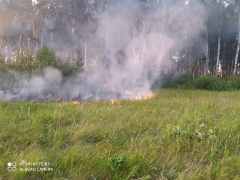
(122, 57)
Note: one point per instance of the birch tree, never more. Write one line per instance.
(238, 43)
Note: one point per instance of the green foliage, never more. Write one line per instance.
(202, 82)
(112, 163)
(24, 62)
(28, 65)
(166, 81)
(78, 63)
(69, 69)
(3, 66)
(46, 57)
(66, 68)
(207, 82)
(8, 79)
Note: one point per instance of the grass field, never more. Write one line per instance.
(178, 134)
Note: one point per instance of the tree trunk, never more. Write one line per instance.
(218, 53)
(20, 39)
(41, 39)
(51, 39)
(238, 44)
(28, 34)
(206, 67)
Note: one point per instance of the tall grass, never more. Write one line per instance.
(179, 134)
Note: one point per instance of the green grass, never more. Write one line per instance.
(179, 134)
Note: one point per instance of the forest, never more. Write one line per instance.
(120, 45)
(77, 26)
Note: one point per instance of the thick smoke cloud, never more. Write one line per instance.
(122, 59)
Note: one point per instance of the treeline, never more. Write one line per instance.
(26, 26)
(218, 53)
(28, 64)
(227, 83)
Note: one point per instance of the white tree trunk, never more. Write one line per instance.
(51, 39)
(206, 48)
(238, 45)
(35, 35)
(218, 53)
(236, 56)
(28, 39)
(41, 39)
(20, 39)
(1, 41)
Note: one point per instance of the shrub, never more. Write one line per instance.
(68, 69)
(207, 83)
(23, 62)
(234, 81)
(167, 81)
(202, 82)
(3, 66)
(46, 57)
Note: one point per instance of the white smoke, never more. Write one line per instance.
(142, 42)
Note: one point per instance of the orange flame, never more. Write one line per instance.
(139, 97)
(113, 101)
(75, 102)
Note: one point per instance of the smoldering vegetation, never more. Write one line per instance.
(124, 47)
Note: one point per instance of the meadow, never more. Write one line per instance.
(178, 134)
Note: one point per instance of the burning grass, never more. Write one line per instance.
(138, 97)
(174, 135)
